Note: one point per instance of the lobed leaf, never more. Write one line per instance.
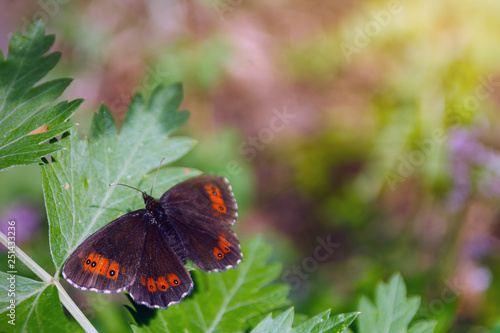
(24, 107)
(392, 312)
(37, 307)
(320, 323)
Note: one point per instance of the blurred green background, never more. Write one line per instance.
(369, 125)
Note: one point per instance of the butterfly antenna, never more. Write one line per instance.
(154, 180)
(113, 184)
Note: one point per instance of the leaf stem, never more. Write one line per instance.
(47, 278)
(74, 309)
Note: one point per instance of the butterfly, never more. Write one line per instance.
(144, 251)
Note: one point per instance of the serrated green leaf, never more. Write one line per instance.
(24, 108)
(393, 311)
(336, 324)
(77, 194)
(24, 288)
(308, 325)
(37, 308)
(397, 311)
(162, 108)
(232, 301)
(320, 323)
(282, 323)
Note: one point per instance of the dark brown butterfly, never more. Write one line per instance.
(144, 251)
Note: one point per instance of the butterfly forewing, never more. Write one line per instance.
(161, 278)
(106, 261)
(203, 199)
(201, 209)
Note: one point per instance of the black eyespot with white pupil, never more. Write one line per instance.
(221, 208)
(163, 287)
(219, 255)
(94, 263)
(150, 287)
(111, 273)
(88, 262)
(176, 282)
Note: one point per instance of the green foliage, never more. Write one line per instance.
(25, 108)
(42, 313)
(37, 307)
(320, 323)
(24, 288)
(392, 311)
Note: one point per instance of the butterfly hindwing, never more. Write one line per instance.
(104, 262)
(201, 209)
(161, 278)
(213, 248)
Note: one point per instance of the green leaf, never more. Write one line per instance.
(392, 312)
(37, 307)
(320, 323)
(307, 326)
(24, 108)
(324, 323)
(233, 301)
(77, 194)
(282, 323)
(24, 288)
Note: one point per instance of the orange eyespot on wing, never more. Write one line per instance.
(151, 285)
(223, 247)
(93, 264)
(216, 198)
(212, 190)
(88, 261)
(220, 207)
(218, 254)
(113, 270)
(174, 279)
(162, 283)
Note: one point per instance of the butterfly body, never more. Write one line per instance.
(144, 251)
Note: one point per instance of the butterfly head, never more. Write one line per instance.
(148, 200)
(154, 207)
